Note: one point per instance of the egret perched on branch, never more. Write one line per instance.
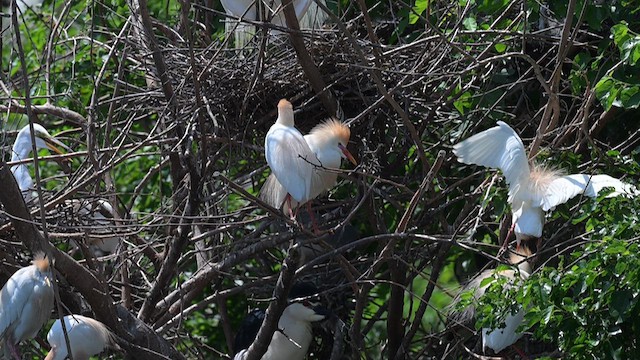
(87, 337)
(22, 148)
(299, 163)
(26, 301)
(292, 338)
(501, 338)
(532, 190)
(309, 14)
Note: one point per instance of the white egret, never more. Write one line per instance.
(299, 163)
(292, 338)
(532, 190)
(99, 213)
(87, 337)
(21, 150)
(501, 338)
(307, 11)
(26, 301)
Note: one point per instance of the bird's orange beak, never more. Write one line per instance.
(348, 155)
(52, 142)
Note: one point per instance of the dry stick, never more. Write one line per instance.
(386, 253)
(304, 58)
(281, 292)
(552, 108)
(117, 318)
(395, 326)
(46, 109)
(381, 88)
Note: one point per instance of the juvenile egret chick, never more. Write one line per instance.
(247, 10)
(26, 301)
(99, 214)
(532, 190)
(292, 338)
(497, 339)
(87, 337)
(22, 149)
(299, 163)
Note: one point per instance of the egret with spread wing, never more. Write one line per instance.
(533, 190)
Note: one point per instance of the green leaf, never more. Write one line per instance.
(470, 24)
(420, 7)
(500, 47)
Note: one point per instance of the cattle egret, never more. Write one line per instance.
(299, 163)
(22, 148)
(535, 190)
(307, 11)
(292, 338)
(501, 338)
(26, 301)
(87, 337)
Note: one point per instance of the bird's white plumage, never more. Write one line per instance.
(564, 188)
(499, 148)
(26, 301)
(531, 191)
(327, 156)
(22, 148)
(308, 13)
(497, 339)
(290, 160)
(87, 337)
(292, 339)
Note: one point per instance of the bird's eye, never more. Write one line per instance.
(306, 303)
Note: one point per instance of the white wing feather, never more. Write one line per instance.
(501, 148)
(566, 187)
(289, 158)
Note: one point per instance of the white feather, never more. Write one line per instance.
(532, 192)
(290, 160)
(26, 301)
(247, 10)
(87, 337)
(499, 148)
(566, 187)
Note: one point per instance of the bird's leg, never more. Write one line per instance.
(287, 199)
(520, 352)
(313, 218)
(505, 244)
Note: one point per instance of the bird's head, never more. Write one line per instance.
(524, 255)
(285, 113)
(334, 135)
(44, 140)
(304, 304)
(41, 261)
